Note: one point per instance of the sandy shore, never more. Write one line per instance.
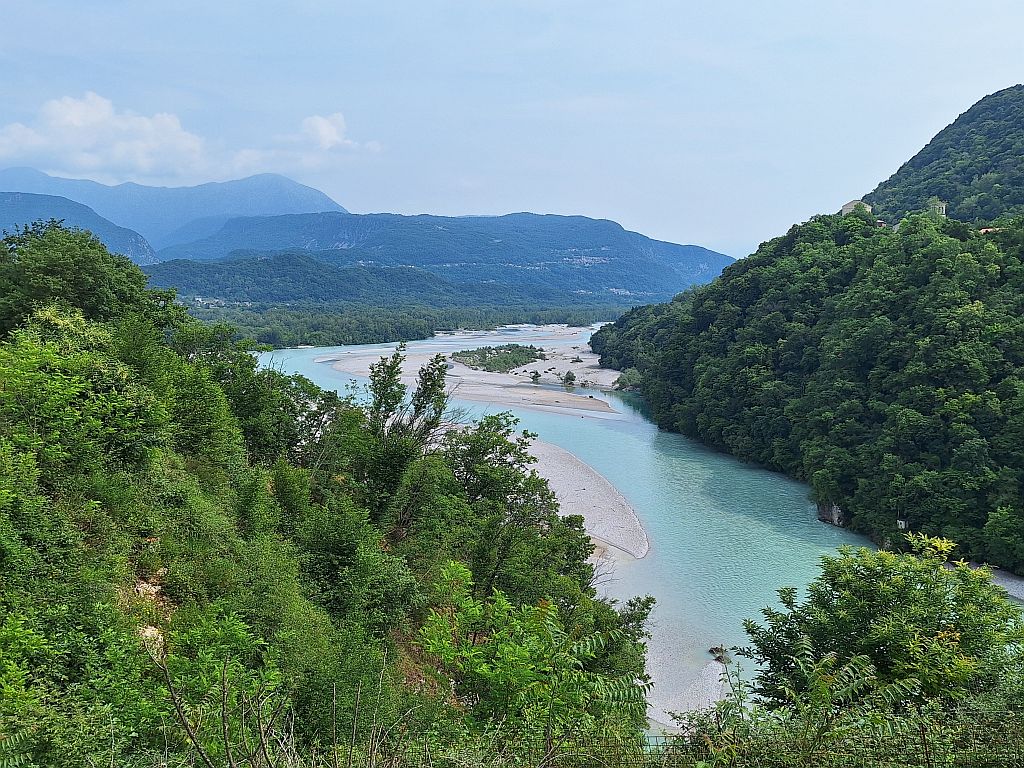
(704, 692)
(516, 387)
(581, 490)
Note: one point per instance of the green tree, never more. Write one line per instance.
(402, 426)
(521, 665)
(521, 544)
(910, 615)
(45, 263)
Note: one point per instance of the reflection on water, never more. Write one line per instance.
(724, 535)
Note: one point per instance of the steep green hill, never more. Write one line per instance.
(19, 209)
(159, 212)
(975, 165)
(885, 368)
(594, 260)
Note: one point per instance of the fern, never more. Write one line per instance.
(14, 750)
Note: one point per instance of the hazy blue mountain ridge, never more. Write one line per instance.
(262, 224)
(570, 255)
(18, 209)
(158, 212)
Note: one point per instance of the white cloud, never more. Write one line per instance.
(88, 136)
(327, 132)
(321, 143)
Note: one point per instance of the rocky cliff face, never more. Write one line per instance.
(832, 514)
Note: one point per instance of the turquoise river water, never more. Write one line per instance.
(724, 534)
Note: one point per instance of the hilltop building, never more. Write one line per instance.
(851, 206)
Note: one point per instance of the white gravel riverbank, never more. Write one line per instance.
(607, 516)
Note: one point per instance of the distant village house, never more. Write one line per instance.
(851, 206)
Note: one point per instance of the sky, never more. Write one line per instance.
(715, 123)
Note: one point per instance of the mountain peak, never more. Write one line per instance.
(975, 165)
(160, 212)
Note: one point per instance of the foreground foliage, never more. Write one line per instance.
(890, 660)
(203, 562)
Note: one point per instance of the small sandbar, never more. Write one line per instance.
(500, 389)
(581, 490)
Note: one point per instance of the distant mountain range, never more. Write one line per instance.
(19, 208)
(168, 215)
(539, 255)
(975, 165)
(268, 239)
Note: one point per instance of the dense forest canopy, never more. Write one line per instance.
(975, 165)
(885, 368)
(203, 562)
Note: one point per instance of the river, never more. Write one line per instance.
(725, 535)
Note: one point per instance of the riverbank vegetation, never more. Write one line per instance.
(500, 359)
(891, 659)
(327, 325)
(207, 563)
(882, 367)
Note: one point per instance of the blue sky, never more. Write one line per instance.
(713, 123)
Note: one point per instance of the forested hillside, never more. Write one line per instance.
(885, 368)
(297, 276)
(203, 563)
(288, 299)
(572, 257)
(289, 277)
(975, 165)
